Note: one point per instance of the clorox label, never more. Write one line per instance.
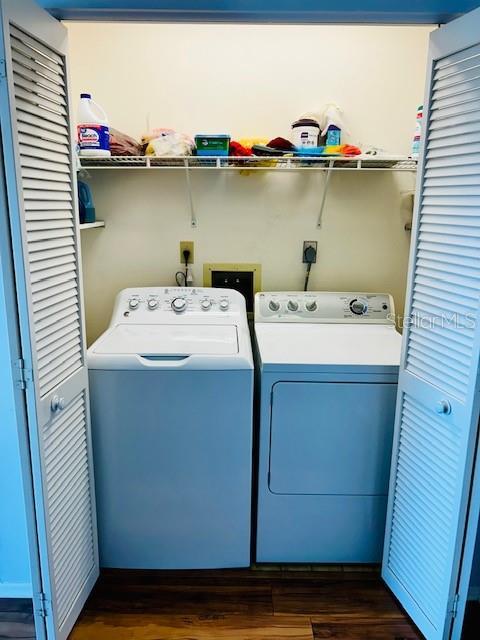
(93, 136)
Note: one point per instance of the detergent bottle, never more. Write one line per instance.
(93, 129)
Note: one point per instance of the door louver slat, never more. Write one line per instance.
(43, 128)
(39, 90)
(58, 335)
(19, 43)
(41, 72)
(52, 253)
(461, 80)
(452, 120)
(40, 174)
(39, 141)
(43, 154)
(61, 285)
(42, 289)
(35, 47)
(46, 215)
(23, 69)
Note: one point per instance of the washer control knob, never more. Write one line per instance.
(224, 304)
(273, 305)
(206, 304)
(152, 304)
(179, 305)
(358, 307)
(133, 303)
(311, 305)
(292, 305)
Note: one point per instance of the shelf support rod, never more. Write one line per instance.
(324, 194)
(193, 217)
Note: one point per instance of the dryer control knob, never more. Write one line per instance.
(273, 305)
(206, 304)
(179, 305)
(292, 305)
(311, 305)
(358, 307)
(152, 304)
(224, 304)
(133, 303)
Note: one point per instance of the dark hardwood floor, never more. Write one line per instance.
(16, 619)
(258, 604)
(267, 603)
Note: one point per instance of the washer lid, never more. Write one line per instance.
(154, 340)
(331, 346)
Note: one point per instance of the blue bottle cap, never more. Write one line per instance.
(86, 95)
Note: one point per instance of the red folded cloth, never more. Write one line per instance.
(282, 144)
(237, 149)
(350, 150)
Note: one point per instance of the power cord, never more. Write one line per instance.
(181, 277)
(309, 257)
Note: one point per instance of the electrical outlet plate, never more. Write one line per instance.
(211, 271)
(187, 245)
(306, 244)
(208, 267)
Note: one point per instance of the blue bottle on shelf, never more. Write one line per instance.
(85, 203)
(333, 136)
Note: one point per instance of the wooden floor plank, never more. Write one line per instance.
(132, 627)
(336, 598)
(243, 604)
(386, 630)
(182, 599)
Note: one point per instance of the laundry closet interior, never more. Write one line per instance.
(228, 351)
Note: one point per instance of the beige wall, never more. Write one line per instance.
(249, 80)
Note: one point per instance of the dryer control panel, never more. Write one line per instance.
(160, 304)
(324, 306)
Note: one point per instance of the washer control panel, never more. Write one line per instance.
(324, 306)
(157, 304)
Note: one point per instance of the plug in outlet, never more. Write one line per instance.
(307, 244)
(186, 245)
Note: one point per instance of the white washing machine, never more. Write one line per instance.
(328, 367)
(171, 385)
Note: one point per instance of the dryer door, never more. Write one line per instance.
(331, 438)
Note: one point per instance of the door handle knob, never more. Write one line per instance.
(57, 403)
(443, 407)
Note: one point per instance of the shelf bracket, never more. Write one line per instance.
(328, 175)
(193, 217)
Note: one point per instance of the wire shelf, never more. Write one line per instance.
(252, 163)
(326, 164)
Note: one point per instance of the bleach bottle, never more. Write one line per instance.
(93, 129)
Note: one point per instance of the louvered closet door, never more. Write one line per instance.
(437, 408)
(37, 139)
